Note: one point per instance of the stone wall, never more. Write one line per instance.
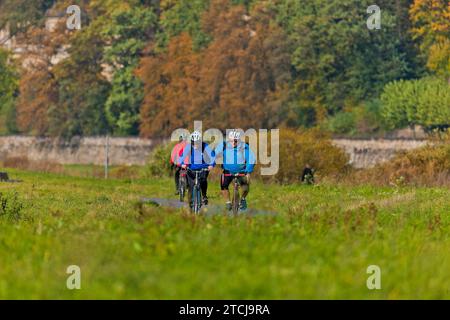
(135, 151)
(92, 150)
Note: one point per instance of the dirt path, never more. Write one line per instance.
(208, 210)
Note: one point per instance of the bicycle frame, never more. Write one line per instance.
(196, 195)
(182, 184)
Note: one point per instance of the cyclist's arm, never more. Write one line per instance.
(184, 155)
(218, 150)
(250, 160)
(172, 155)
(211, 155)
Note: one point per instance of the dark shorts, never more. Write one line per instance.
(203, 177)
(226, 180)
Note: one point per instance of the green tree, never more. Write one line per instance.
(8, 87)
(434, 102)
(19, 15)
(82, 86)
(183, 16)
(338, 61)
(424, 102)
(127, 32)
(399, 100)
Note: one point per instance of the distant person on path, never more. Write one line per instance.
(177, 152)
(197, 156)
(307, 175)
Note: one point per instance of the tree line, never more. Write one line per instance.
(147, 67)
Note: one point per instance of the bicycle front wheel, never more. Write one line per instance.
(182, 189)
(197, 195)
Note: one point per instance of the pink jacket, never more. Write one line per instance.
(177, 152)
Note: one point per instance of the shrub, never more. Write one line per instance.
(313, 147)
(158, 164)
(24, 163)
(428, 166)
(16, 162)
(10, 206)
(342, 122)
(125, 172)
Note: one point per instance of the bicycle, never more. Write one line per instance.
(182, 185)
(235, 203)
(196, 195)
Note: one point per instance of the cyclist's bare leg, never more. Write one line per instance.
(204, 188)
(177, 178)
(226, 195)
(190, 182)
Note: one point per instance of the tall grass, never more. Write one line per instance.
(319, 244)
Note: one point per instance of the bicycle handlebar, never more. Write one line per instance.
(204, 169)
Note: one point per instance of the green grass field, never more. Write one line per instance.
(318, 246)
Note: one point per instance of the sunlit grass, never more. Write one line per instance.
(319, 245)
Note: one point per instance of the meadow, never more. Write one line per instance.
(317, 246)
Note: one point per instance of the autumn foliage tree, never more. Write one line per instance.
(245, 67)
(431, 27)
(169, 87)
(63, 98)
(234, 82)
(38, 86)
(148, 67)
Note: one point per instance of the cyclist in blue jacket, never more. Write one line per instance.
(237, 158)
(197, 155)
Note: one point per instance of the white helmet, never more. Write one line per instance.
(196, 136)
(183, 136)
(234, 135)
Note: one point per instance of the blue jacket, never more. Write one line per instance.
(197, 158)
(236, 159)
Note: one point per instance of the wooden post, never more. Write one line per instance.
(106, 157)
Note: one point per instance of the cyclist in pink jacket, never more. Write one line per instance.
(177, 152)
